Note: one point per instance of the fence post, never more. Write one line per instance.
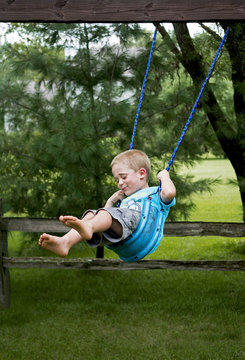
(100, 252)
(4, 272)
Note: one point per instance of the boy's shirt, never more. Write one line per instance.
(134, 201)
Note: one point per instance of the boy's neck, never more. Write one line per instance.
(141, 188)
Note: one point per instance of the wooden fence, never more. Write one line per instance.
(53, 225)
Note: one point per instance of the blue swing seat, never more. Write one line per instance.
(147, 236)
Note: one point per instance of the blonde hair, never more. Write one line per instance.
(135, 159)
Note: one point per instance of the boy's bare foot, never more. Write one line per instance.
(83, 227)
(55, 244)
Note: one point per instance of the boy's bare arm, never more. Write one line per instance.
(168, 190)
(118, 195)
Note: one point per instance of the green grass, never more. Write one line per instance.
(224, 202)
(153, 315)
(124, 315)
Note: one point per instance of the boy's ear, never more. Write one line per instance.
(142, 172)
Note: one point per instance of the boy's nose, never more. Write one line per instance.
(120, 183)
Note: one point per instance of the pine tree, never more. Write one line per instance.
(61, 116)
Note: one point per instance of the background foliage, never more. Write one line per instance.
(68, 95)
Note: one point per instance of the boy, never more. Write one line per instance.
(131, 170)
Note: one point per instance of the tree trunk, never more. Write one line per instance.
(235, 45)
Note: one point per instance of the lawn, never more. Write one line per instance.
(153, 315)
(224, 202)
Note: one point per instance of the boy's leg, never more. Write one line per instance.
(101, 222)
(61, 245)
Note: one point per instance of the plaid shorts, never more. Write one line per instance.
(129, 220)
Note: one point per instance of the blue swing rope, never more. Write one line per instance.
(143, 90)
(197, 101)
(194, 106)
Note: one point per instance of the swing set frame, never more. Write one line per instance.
(121, 11)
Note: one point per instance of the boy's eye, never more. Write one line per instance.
(123, 177)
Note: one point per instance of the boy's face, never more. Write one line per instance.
(129, 180)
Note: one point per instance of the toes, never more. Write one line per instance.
(41, 239)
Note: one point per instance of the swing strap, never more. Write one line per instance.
(197, 100)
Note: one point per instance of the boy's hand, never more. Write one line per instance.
(118, 195)
(162, 175)
(168, 190)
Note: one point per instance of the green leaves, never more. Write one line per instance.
(60, 113)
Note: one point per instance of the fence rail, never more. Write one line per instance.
(170, 228)
(36, 225)
(112, 264)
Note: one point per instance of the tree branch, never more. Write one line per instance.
(192, 62)
(169, 41)
(211, 32)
